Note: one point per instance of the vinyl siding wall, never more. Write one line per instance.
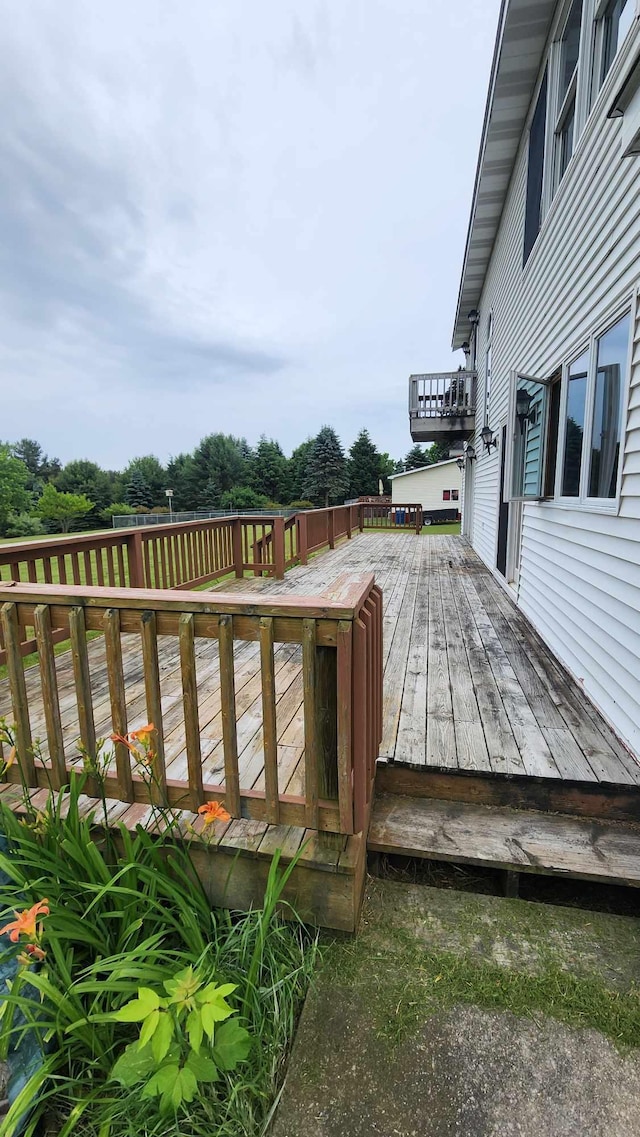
(579, 579)
(425, 487)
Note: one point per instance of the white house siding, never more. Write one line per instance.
(425, 486)
(579, 579)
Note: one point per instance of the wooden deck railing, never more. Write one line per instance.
(340, 638)
(392, 517)
(187, 555)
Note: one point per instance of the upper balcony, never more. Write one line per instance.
(442, 406)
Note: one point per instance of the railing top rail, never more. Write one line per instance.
(342, 601)
(61, 543)
(443, 375)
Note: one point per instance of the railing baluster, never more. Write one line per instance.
(51, 703)
(117, 695)
(82, 678)
(153, 694)
(186, 634)
(269, 729)
(310, 724)
(229, 726)
(17, 686)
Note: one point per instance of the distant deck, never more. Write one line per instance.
(468, 685)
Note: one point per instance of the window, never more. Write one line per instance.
(535, 171)
(576, 401)
(455, 495)
(566, 431)
(611, 366)
(611, 29)
(487, 368)
(446, 495)
(567, 90)
(529, 423)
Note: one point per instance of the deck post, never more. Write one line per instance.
(418, 521)
(348, 522)
(279, 557)
(361, 518)
(331, 528)
(134, 556)
(303, 543)
(236, 533)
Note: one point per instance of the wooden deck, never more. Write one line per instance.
(468, 685)
(476, 710)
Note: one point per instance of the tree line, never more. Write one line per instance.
(39, 494)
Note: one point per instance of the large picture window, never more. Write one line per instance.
(566, 433)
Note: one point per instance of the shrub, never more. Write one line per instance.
(301, 505)
(23, 525)
(129, 948)
(243, 498)
(116, 507)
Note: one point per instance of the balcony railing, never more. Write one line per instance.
(445, 394)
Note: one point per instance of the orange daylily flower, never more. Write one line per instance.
(25, 922)
(212, 811)
(11, 758)
(124, 739)
(143, 733)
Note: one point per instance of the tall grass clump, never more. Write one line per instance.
(156, 1015)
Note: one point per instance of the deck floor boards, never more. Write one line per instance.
(468, 683)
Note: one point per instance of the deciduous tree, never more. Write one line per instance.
(63, 508)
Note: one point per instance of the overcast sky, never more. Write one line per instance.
(237, 215)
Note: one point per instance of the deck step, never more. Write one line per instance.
(517, 840)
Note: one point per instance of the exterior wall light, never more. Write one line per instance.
(489, 438)
(474, 317)
(470, 453)
(460, 463)
(523, 412)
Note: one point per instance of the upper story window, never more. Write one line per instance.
(587, 37)
(613, 21)
(487, 368)
(566, 90)
(535, 170)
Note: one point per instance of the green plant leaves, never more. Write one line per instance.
(163, 1036)
(174, 1084)
(137, 1009)
(232, 1045)
(134, 1065)
(204, 1069)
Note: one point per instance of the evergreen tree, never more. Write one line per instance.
(153, 473)
(415, 458)
(437, 452)
(326, 479)
(270, 475)
(179, 479)
(220, 462)
(297, 469)
(364, 467)
(138, 493)
(41, 468)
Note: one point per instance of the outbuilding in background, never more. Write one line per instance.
(437, 487)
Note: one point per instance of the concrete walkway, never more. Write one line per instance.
(433, 1023)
